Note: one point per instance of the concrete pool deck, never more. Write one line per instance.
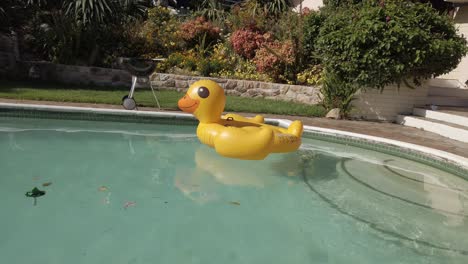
(377, 129)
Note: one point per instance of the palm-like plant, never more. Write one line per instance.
(87, 11)
(134, 8)
(213, 10)
(268, 7)
(12, 13)
(272, 7)
(275, 6)
(90, 12)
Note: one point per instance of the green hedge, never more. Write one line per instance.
(374, 44)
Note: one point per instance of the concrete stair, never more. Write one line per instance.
(447, 101)
(450, 122)
(447, 93)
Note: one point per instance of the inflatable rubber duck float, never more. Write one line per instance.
(233, 135)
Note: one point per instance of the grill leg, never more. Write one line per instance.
(132, 90)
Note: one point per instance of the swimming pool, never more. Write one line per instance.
(151, 193)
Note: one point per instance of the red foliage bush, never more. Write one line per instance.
(193, 31)
(273, 58)
(306, 11)
(246, 41)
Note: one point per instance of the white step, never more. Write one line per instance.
(448, 130)
(444, 91)
(447, 101)
(441, 116)
(445, 83)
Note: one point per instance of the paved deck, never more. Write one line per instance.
(378, 129)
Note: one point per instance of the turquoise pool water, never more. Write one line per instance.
(140, 193)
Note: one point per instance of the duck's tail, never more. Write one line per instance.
(296, 128)
(258, 119)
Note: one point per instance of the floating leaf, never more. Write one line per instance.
(35, 193)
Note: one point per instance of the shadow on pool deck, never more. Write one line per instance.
(378, 129)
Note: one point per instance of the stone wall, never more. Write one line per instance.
(76, 75)
(80, 75)
(372, 104)
(286, 92)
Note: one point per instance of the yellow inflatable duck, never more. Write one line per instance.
(233, 135)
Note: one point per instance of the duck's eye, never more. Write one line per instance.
(203, 92)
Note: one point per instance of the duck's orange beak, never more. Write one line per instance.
(188, 104)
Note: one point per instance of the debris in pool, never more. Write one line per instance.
(34, 193)
(107, 199)
(102, 189)
(234, 203)
(45, 184)
(128, 204)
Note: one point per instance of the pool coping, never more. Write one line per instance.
(440, 155)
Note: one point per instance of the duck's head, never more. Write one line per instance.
(205, 99)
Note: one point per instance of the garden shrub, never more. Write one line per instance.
(337, 93)
(159, 15)
(192, 63)
(123, 41)
(186, 61)
(290, 27)
(199, 30)
(208, 66)
(161, 33)
(81, 34)
(245, 42)
(60, 40)
(247, 15)
(274, 58)
(376, 44)
(244, 70)
(224, 54)
(313, 21)
(310, 76)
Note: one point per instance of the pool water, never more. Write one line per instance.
(144, 193)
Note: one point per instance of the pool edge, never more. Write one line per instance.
(431, 151)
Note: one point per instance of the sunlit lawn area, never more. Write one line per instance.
(144, 97)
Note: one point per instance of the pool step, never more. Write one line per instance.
(451, 127)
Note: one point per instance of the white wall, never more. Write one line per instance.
(374, 105)
(311, 4)
(461, 72)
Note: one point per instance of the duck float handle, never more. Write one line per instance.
(233, 135)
